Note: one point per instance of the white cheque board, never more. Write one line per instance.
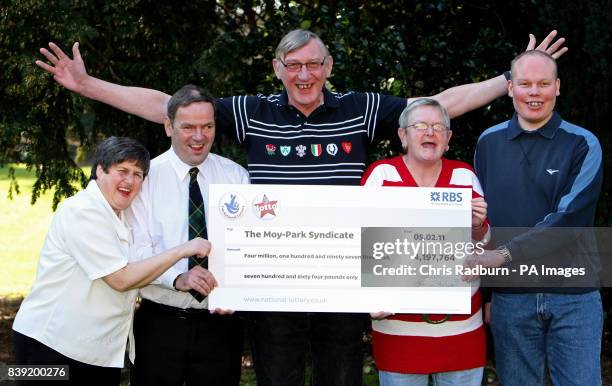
(299, 248)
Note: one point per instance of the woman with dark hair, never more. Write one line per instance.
(408, 348)
(79, 312)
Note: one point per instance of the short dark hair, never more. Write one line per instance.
(187, 95)
(115, 150)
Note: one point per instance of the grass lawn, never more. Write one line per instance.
(22, 232)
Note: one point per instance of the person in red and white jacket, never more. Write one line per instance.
(408, 348)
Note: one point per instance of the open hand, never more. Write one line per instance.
(70, 73)
(555, 50)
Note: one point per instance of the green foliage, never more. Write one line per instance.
(402, 48)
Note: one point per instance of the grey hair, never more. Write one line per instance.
(187, 95)
(539, 53)
(115, 150)
(296, 39)
(404, 119)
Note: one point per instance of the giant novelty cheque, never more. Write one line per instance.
(339, 248)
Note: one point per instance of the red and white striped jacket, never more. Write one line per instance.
(407, 343)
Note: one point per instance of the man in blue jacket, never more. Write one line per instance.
(541, 172)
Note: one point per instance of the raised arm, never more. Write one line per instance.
(71, 74)
(461, 99)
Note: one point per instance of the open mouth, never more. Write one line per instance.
(124, 191)
(197, 148)
(304, 86)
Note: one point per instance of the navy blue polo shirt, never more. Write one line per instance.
(329, 147)
(547, 178)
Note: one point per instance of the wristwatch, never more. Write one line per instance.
(505, 253)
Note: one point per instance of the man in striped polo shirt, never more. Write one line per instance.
(304, 134)
(541, 172)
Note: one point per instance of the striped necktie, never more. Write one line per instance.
(197, 223)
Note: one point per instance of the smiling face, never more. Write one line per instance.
(120, 184)
(305, 87)
(534, 89)
(428, 146)
(192, 132)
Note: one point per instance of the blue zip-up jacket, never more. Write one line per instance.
(547, 178)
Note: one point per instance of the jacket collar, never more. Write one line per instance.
(547, 131)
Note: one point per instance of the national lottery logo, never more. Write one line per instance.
(232, 205)
(265, 208)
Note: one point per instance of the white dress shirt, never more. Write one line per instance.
(159, 216)
(71, 309)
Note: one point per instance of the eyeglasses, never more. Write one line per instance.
(422, 127)
(297, 66)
